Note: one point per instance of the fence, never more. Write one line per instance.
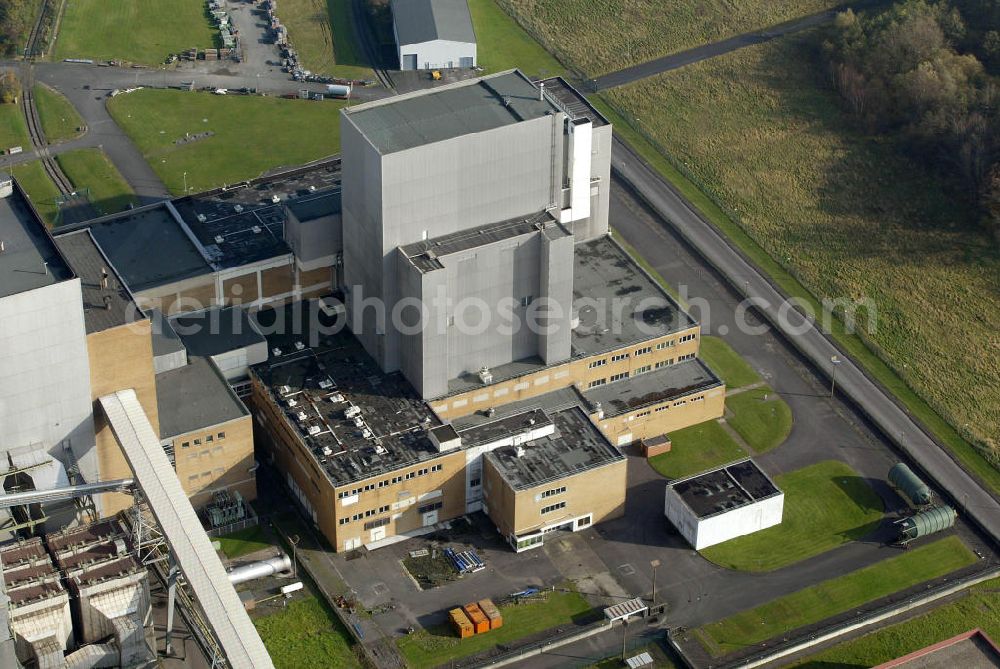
(239, 525)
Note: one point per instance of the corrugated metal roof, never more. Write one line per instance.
(173, 511)
(419, 21)
(625, 609)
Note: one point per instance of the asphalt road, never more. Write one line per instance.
(689, 56)
(881, 409)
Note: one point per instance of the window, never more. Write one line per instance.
(222, 435)
(475, 482)
(619, 377)
(371, 525)
(209, 439)
(343, 521)
(197, 442)
(527, 299)
(662, 408)
(689, 356)
(619, 356)
(427, 508)
(598, 382)
(664, 363)
(554, 491)
(553, 507)
(642, 413)
(186, 444)
(599, 363)
(688, 337)
(422, 472)
(680, 403)
(583, 522)
(698, 399)
(644, 350)
(666, 344)
(643, 369)
(383, 509)
(410, 475)
(382, 484)
(397, 479)
(437, 468)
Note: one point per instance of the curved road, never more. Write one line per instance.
(969, 496)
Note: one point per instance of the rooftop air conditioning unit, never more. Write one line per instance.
(276, 351)
(275, 199)
(519, 451)
(336, 397)
(256, 229)
(219, 239)
(380, 449)
(359, 421)
(292, 402)
(327, 450)
(314, 430)
(366, 433)
(485, 375)
(301, 416)
(299, 346)
(352, 411)
(284, 390)
(202, 218)
(325, 383)
(238, 209)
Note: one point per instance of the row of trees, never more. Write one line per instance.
(915, 71)
(15, 22)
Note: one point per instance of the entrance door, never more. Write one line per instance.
(351, 544)
(378, 534)
(409, 61)
(430, 518)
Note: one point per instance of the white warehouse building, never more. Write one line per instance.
(723, 504)
(432, 34)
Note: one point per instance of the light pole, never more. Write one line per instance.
(294, 541)
(833, 378)
(654, 564)
(185, 183)
(624, 635)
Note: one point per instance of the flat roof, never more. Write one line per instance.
(572, 101)
(724, 489)
(419, 21)
(194, 397)
(165, 340)
(107, 303)
(425, 254)
(215, 331)
(495, 430)
(427, 116)
(30, 259)
(551, 402)
(660, 385)
(576, 446)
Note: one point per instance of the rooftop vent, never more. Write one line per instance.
(276, 351)
(314, 430)
(485, 375)
(219, 239)
(275, 199)
(256, 229)
(284, 390)
(238, 209)
(336, 398)
(202, 218)
(299, 346)
(519, 451)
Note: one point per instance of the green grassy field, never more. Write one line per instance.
(980, 607)
(252, 135)
(826, 505)
(306, 635)
(320, 31)
(141, 31)
(91, 169)
(439, 645)
(599, 37)
(835, 596)
(59, 118)
(13, 128)
(695, 449)
(39, 188)
(727, 363)
(852, 216)
(243, 542)
(763, 423)
(501, 44)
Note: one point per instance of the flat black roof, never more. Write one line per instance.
(724, 489)
(215, 331)
(660, 385)
(494, 430)
(576, 446)
(30, 259)
(106, 301)
(194, 397)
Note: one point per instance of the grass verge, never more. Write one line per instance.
(90, 169)
(59, 118)
(980, 607)
(727, 363)
(13, 128)
(760, 417)
(321, 32)
(826, 504)
(244, 542)
(39, 188)
(240, 136)
(306, 634)
(819, 602)
(695, 449)
(502, 44)
(140, 31)
(438, 645)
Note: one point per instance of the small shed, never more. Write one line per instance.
(433, 34)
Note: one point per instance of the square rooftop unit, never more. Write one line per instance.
(29, 258)
(425, 117)
(661, 385)
(574, 446)
(724, 503)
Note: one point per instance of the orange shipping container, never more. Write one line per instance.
(479, 620)
(461, 623)
(491, 612)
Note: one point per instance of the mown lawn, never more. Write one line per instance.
(13, 128)
(90, 169)
(835, 596)
(761, 417)
(252, 134)
(599, 37)
(696, 449)
(306, 635)
(59, 118)
(141, 31)
(243, 542)
(980, 607)
(439, 645)
(501, 44)
(321, 33)
(851, 216)
(826, 505)
(727, 363)
(39, 188)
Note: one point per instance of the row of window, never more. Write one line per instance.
(378, 522)
(553, 507)
(619, 377)
(209, 438)
(427, 508)
(643, 351)
(687, 337)
(365, 514)
(554, 491)
(388, 482)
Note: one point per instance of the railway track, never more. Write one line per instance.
(49, 164)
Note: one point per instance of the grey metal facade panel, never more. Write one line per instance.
(196, 558)
(419, 21)
(556, 286)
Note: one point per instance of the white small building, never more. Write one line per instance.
(723, 504)
(432, 34)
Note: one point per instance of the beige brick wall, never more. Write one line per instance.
(216, 458)
(664, 417)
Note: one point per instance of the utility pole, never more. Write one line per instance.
(624, 634)
(294, 541)
(654, 564)
(833, 378)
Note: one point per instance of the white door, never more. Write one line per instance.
(430, 518)
(378, 534)
(351, 544)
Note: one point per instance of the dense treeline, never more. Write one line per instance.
(926, 73)
(15, 23)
